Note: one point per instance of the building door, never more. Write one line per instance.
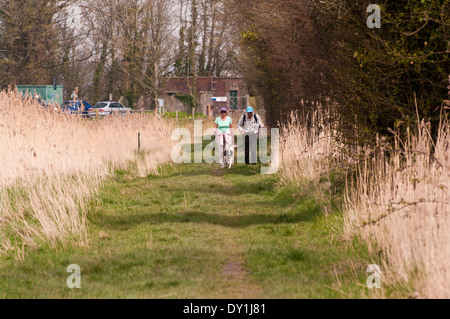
(234, 100)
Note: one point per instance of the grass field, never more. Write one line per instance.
(196, 231)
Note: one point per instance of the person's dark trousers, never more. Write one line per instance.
(251, 142)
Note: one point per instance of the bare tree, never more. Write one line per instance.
(159, 15)
(29, 40)
(133, 45)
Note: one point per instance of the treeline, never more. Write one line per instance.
(291, 52)
(121, 47)
(324, 51)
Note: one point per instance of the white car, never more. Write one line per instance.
(105, 108)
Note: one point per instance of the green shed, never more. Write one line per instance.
(46, 92)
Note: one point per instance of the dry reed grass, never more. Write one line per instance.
(401, 205)
(399, 202)
(307, 152)
(52, 164)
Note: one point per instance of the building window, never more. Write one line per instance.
(234, 100)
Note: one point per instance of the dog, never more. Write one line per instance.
(229, 157)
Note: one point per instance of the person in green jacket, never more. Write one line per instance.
(224, 135)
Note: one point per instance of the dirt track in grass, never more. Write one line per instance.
(196, 231)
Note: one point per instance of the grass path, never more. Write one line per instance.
(196, 231)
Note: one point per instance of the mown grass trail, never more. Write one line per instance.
(196, 231)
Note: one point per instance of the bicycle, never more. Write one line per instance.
(228, 155)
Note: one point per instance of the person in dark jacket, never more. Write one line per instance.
(249, 125)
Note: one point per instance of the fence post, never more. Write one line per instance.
(139, 142)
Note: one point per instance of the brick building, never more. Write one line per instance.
(213, 93)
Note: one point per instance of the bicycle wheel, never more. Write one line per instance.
(224, 151)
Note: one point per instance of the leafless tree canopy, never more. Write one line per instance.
(291, 52)
(118, 47)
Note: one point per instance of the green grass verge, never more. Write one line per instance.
(196, 231)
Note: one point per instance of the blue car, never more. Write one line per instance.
(78, 107)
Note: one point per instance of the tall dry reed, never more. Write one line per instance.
(399, 201)
(53, 163)
(307, 150)
(401, 205)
